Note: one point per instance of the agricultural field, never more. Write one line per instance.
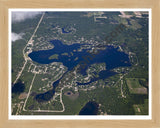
(135, 87)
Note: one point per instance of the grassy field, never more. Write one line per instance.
(135, 87)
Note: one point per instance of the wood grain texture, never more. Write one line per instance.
(6, 4)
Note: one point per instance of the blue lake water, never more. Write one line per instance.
(91, 108)
(111, 56)
(45, 96)
(102, 75)
(64, 31)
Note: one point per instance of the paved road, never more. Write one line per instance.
(25, 58)
(29, 92)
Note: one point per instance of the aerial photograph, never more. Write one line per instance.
(79, 63)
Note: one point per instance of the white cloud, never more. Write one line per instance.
(16, 36)
(21, 15)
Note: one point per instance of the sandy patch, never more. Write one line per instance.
(22, 96)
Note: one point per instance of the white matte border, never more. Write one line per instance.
(78, 117)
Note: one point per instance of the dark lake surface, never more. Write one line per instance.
(91, 108)
(64, 31)
(102, 75)
(111, 56)
(18, 87)
(45, 96)
(42, 97)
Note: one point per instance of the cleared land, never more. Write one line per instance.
(141, 109)
(135, 87)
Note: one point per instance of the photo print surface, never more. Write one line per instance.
(79, 62)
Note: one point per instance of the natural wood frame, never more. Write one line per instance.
(6, 4)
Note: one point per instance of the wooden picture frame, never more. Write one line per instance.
(4, 60)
